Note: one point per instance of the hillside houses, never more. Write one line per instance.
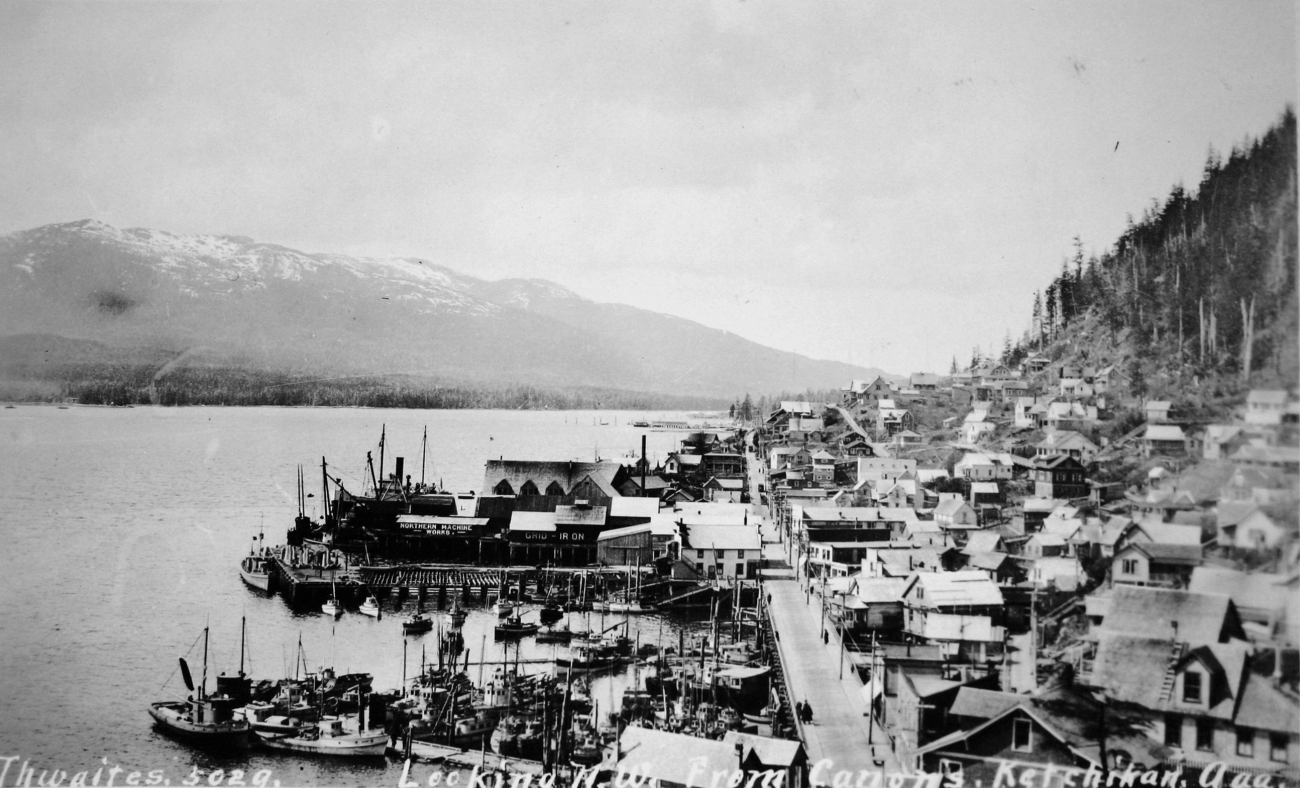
(940, 550)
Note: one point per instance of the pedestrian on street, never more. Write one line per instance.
(807, 712)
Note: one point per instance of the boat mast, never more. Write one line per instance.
(382, 432)
(424, 452)
(243, 625)
(203, 685)
(325, 492)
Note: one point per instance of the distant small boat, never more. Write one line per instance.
(370, 607)
(332, 606)
(417, 623)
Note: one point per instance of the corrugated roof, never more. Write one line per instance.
(876, 590)
(947, 589)
(580, 515)
(631, 530)
(1164, 432)
(722, 537)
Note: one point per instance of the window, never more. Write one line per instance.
(1128, 566)
(1173, 730)
(699, 554)
(1020, 735)
(1277, 744)
(1246, 742)
(1205, 734)
(1191, 687)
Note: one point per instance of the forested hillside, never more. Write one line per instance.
(1200, 291)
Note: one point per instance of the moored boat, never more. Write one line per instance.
(200, 719)
(327, 737)
(370, 607)
(332, 605)
(515, 627)
(255, 571)
(417, 623)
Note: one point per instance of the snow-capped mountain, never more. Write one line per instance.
(267, 305)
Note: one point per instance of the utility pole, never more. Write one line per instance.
(842, 635)
(871, 696)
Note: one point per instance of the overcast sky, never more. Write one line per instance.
(880, 183)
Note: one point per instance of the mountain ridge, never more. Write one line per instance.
(269, 305)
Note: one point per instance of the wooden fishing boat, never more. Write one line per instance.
(554, 635)
(255, 572)
(327, 737)
(370, 607)
(417, 623)
(332, 606)
(516, 627)
(202, 720)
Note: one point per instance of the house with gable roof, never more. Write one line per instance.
(1069, 443)
(961, 611)
(1180, 657)
(1266, 406)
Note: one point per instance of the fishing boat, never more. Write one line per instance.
(370, 607)
(551, 613)
(327, 737)
(417, 623)
(587, 657)
(625, 606)
(255, 568)
(516, 627)
(555, 635)
(458, 615)
(332, 606)
(519, 735)
(263, 718)
(207, 721)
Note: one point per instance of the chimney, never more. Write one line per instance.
(398, 469)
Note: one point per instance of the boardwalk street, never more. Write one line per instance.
(840, 729)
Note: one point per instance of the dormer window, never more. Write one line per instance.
(1192, 687)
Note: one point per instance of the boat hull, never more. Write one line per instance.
(170, 718)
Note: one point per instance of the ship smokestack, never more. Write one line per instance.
(398, 469)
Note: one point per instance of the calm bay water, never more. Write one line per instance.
(122, 532)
